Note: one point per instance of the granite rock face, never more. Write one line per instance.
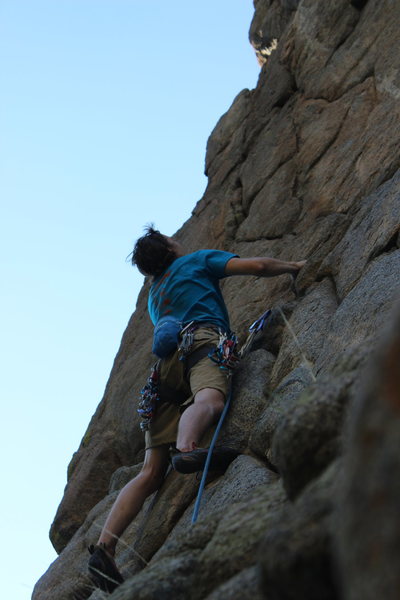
(306, 165)
(367, 524)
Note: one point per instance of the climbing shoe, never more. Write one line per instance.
(191, 462)
(102, 569)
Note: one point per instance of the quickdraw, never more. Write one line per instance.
(187, 338)
(225, 355)
(254, 329)
(149, 399)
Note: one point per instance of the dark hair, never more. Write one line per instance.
(152, 253)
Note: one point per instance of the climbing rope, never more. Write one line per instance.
(228, 359)
(209, 455)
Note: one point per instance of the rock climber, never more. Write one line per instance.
(186, 306)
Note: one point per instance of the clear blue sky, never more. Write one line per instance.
(105, 111)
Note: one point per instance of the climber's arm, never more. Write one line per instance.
(262, 266)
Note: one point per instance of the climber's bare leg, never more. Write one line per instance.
(194, 422)
(131, 498)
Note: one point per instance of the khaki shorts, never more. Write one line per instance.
(205, 374)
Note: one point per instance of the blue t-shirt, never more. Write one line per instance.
(189, 289)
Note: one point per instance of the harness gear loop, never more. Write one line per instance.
(149, 398)
(225, 354)
(187, 338)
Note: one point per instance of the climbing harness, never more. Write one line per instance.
(254, 328)
(151, 396)
(225, 355)
(187, 337)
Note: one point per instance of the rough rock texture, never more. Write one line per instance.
(306, 165)
(367, 524)
(296, 556)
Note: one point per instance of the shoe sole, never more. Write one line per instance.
(192, 462)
